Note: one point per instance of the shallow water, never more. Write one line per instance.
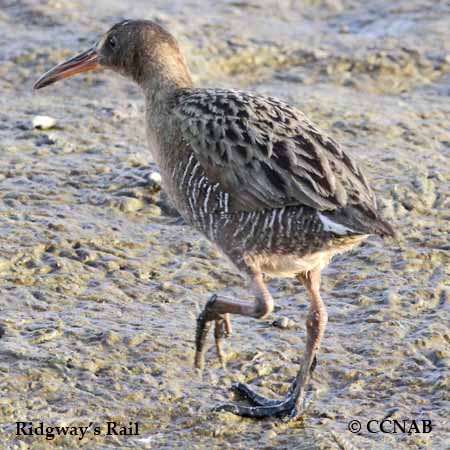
(100, 288)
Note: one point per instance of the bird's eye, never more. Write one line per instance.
(112, 42)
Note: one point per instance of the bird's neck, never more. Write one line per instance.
(161, 73)
(160, 88)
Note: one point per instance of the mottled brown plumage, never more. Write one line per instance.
(267, 154)
(254, 175)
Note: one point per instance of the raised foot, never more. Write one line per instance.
(222, 330)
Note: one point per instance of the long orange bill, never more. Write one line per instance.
(83, 62)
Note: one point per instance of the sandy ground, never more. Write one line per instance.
(100, 288)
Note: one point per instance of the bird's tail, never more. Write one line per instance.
(358, 221)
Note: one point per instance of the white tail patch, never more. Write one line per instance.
(334, 227)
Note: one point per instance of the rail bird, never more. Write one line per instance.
(254, 175)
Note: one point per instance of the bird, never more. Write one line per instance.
(255, 176)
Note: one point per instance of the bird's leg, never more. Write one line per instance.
(315, 326)
(218, 309)
(293, 405)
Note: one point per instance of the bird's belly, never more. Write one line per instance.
(292, 265)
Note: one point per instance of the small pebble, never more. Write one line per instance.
(271, 434)
(43, 122)
(112, 337)
(129, 204)
(136, 339)
(283, 323)
(46, 335)
(112, 266)
(154, 210)
(155, 177)
(4, 264)
(85, 255)
(263, 369)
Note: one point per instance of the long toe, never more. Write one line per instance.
(252, 396)
(285, 408)
(222, 329)
(201, 333)
(220, 333)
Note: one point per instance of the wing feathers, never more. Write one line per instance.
(267, 154)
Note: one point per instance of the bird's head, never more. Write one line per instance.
(139, 49)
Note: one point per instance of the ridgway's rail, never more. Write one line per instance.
(254, 175)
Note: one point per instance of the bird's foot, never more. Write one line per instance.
(282, 408)
(287, 408)
(222, 329)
